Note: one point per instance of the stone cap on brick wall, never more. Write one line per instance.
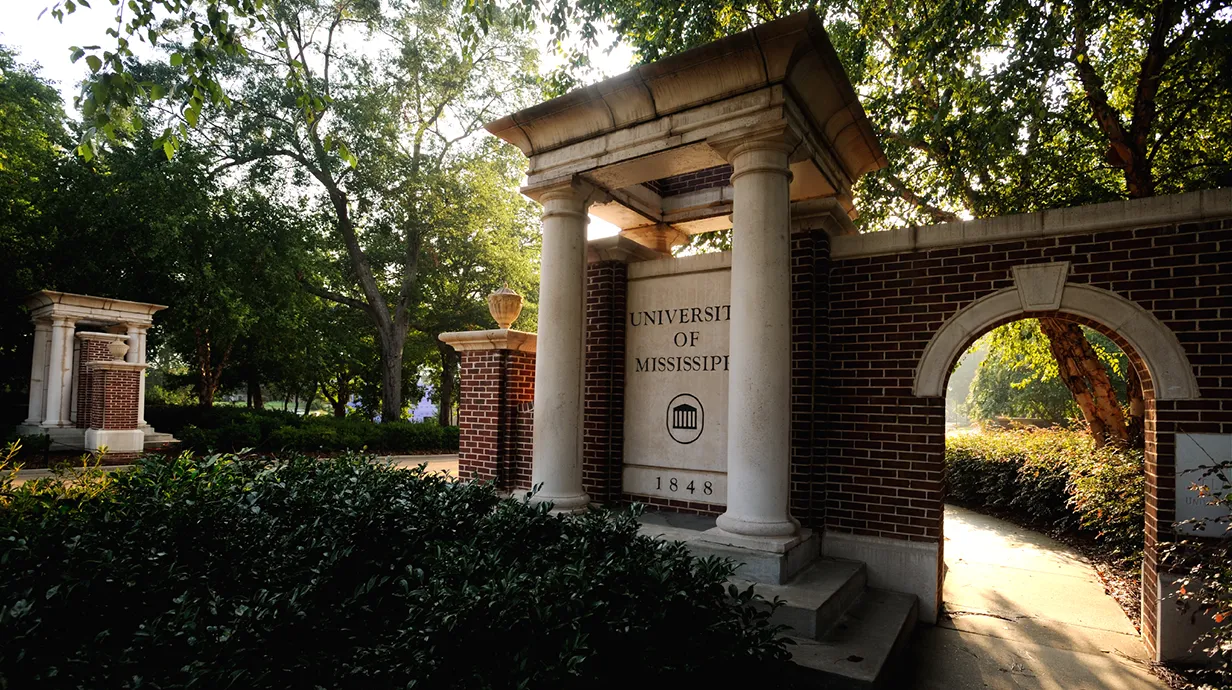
(495, 339)
(1211, 204)
(114, 365)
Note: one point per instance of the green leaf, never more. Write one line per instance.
(76, 54)
(177, 59)
(94, 62)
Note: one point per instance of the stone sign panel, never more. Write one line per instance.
(677, 321)
(1193, 452)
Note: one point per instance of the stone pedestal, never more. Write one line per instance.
(495, 394)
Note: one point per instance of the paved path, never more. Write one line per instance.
(1024, 611)
(436, 463)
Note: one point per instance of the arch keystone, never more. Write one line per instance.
(1040, 285)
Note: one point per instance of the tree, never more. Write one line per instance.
(376, 136)
(487, 238)
(1031, 372)
(33, 141)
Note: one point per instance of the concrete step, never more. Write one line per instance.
(864, 648)
(816, 598)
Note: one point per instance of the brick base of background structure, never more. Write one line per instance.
(496, 395)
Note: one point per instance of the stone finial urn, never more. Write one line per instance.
(505, 305)
(118, 348)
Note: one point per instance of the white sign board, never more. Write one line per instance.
(676, 325)
(1194, 451)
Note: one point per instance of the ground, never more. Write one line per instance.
(1023, 610)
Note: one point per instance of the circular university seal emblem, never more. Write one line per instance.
(685, 418)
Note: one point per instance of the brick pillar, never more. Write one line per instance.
(94, 347)
(603, 405)
(496, 392)
(110, 389)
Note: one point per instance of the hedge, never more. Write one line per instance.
(304, 573)
(1053, 478)
(231, 429)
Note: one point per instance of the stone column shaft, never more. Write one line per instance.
(59, 373)
(759, 407)
(38, 373)
(557, 463)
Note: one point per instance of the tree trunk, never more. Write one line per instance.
(444, 415)
(255, 399)
(1084, 375)
(391, 374)
(1136, 423)
(312, 397)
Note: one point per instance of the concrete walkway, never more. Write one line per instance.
(1024, 611)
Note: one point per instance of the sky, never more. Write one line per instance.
(46, 41)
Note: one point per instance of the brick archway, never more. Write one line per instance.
(1165, 368)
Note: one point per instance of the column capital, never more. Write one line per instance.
(780, 137)
(571, 194)
(42, 324)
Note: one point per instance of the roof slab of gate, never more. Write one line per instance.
(651, 138)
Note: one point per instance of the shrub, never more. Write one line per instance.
(231, 429)
(225, 572)
(1055, 478)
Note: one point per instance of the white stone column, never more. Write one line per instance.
(138, 346)
(59, 373)
(759, 384)
(38, 373)
(557, 463)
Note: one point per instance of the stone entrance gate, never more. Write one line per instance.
(794, 387)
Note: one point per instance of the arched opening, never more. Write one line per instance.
(1152, 350)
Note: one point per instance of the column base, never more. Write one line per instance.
(569, 505)
(739, 527)
(769, 544)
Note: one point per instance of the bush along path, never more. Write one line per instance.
(302, 573)
(1053, 479)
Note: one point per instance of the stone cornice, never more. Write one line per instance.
(793, 51)
(1213, 204)
(495, 339)
(47, 304)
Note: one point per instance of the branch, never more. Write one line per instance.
(333, 296)
(939, 215)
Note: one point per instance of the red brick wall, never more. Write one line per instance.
(604, 404)
(718, 176)
(493, 386)
(810, 267)
(113, 399)
(89, 351)
(885, 446)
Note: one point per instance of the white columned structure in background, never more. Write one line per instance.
(759, 387)
(38, 372)
(59, 373)
(136, 355)
(557, 459)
